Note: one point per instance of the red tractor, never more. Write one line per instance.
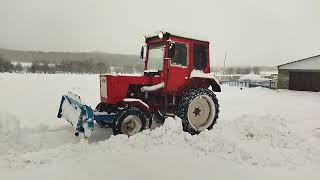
(175, 82)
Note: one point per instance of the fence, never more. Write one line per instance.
(271, 84)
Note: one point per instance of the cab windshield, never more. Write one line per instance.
(155, 58)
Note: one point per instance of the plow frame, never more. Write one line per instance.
(84, 124)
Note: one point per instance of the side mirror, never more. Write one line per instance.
(172, 50)
(142, 53)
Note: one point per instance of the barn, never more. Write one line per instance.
(301, 75)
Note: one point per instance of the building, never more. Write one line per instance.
(302, 75)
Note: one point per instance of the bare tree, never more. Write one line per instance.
(18, 67)
(5, 65)
(256, 70)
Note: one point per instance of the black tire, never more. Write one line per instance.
(101, 107)
(118, 121)
(187, 98)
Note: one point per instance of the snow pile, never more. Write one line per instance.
(262, 140)
(253, 140)
(9, 132)
(253, 77)
(70, 113)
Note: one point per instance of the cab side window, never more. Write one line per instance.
(180, 56)
(200, 56)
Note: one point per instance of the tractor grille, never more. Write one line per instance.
(103, 86)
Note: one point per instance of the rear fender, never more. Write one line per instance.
(205, 82)
(214, 85)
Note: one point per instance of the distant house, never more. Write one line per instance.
(302, 75)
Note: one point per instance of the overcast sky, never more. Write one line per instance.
(254, 32)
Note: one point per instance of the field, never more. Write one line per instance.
(260, 134)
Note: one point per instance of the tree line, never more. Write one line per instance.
(242, 70)
(91, 66)
(66, 66)
(7, 66)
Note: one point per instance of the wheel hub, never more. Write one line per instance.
(131, 125)
(196, 111)
(200, 112)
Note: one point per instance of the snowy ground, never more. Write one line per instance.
(261, 134)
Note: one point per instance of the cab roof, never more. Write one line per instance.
(166, 35)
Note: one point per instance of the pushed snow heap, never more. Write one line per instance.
(9, 131)
(239, 141)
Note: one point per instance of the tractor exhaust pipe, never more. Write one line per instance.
(152, 88)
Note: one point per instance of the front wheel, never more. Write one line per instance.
(129, 121)
(198, 109)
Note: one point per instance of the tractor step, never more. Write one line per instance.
(170, 115)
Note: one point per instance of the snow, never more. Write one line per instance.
(70, 113)
(179, 32)
(9, 131)
(24, 64)
(201, 74)
(268, 73)
(151, 70)
(124, 74)
(260, 134)
(253, 77)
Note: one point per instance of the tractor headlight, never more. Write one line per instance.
(103, 86)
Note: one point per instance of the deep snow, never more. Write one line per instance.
(261, 134)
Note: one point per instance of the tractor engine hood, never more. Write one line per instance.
(114, 88)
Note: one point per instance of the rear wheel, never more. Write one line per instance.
(198, 110)
(129, 121)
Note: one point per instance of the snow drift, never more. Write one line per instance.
(9, 132)
(261, 134)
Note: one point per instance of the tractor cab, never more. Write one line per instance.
(173, 58)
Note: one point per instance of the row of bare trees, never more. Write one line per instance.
(7, 66)
(242, 70)
(89, 66)
(66, 66)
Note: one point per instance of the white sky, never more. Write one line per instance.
(255, 32)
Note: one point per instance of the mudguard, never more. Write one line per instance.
(133, 102)
(208, 77)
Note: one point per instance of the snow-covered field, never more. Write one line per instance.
(261, 134)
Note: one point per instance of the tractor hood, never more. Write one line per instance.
(114, 88)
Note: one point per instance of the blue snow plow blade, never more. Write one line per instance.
(81, 116)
